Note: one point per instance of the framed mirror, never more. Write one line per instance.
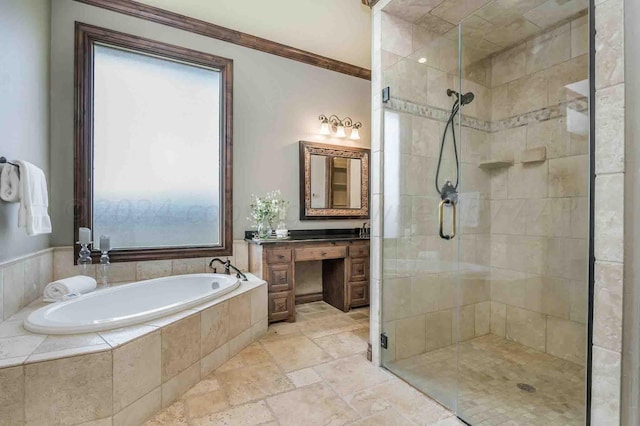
(334, 182)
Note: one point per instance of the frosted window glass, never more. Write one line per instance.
(156, 151)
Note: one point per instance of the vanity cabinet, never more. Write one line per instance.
(345, 272)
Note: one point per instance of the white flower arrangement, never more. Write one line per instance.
(264, 210)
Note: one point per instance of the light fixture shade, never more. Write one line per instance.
(355, 134)
(340, 132)
(324, 129)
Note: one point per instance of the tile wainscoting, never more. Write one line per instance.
(124, 376)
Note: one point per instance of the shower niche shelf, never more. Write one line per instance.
(534, 155)
(496, 163)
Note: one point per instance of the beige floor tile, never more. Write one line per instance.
(255, 413)
(403, 398)
(349, 375)
(281, 330)
(296, 352)
(358, 315)
(252, 383)
(304, 377)
(174, 415)
(251, 355)
(321, 327)
(321, 314)
(308, 308)
(206, 403)
(289, 375)
(388, 417)
(342, 344)
(317, 404)
(210, 384)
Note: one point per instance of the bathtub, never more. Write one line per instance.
(129, 304)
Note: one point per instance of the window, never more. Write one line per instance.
(153, 146)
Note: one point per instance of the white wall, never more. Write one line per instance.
(24, 103)
(338, 29)
(276, 103)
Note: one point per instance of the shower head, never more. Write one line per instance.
(465, 99)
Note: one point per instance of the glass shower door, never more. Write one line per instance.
(421, 251)
(489, 119)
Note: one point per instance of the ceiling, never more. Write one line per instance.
(338, 29)
(487, 25)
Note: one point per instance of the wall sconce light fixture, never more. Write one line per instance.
(334, 125)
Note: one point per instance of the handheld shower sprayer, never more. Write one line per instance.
(449, 191)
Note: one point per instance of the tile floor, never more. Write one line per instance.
(490, 369)
(311, 372)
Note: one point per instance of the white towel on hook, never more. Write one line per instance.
(34, 200)
(9, 184)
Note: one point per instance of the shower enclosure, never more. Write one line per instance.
(485, 276)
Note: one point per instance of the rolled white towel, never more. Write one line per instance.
(57, 290)
(9, 184)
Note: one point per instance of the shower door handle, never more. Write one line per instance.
(441, 214)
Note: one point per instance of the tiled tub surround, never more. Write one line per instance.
(531, 230)
(22, 280)
(122, 376)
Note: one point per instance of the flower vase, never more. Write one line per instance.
(264, 230)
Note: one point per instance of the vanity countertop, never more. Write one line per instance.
(311, 235)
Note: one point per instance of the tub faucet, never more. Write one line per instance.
(227, 268)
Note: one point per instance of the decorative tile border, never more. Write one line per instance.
(439, 114)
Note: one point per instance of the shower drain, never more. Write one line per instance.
(526, 387)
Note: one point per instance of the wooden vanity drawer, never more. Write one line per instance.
(358, 293)
(281, 306)
(278, 255)
(279, 277)
(320, 253)
(359, 269)
(359, 251)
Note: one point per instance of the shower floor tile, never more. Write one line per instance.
(490, 370)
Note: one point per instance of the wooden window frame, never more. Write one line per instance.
(86, 36)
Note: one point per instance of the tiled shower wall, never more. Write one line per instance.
(23, 280)
(539, 207)
(526, 231)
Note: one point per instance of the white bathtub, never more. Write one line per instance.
(129, 304)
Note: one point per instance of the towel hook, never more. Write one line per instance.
(3, 160)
